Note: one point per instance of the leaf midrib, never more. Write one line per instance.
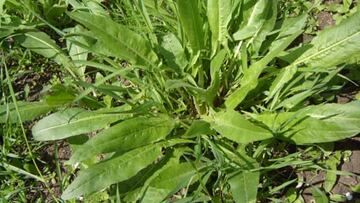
(326, 49)
(251, 131)
(75, 122)
(44, 42)
(124, 44)
(132, 133)
(245, 188)
(126, 158)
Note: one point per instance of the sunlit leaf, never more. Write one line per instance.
(244, 186)
(192, 23)
(27, 111)
(219, 16)
(316, 124)
(334, 45)
(118, 39)
(116, 169)
(74, 121)
(235, 127)
(169, 181)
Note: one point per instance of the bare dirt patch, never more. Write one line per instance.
(325, 19)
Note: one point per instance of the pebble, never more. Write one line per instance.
(348, 196)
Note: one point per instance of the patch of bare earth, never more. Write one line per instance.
(325, 19)
(48, 156)
(343, 183)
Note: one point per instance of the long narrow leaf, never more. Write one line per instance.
(125, 136)
(111, 171)
(118, 39)
(74, 121)
(169, 181)
(192, 23)
(316, 124)
(27, 110)
(219, 16)
(334, 45)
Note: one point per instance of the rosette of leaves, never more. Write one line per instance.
(201, 97)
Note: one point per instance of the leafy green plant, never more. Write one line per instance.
(195, 100)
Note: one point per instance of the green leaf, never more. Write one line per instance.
(260, 21)
(125, 136)
(253, 19)
(76, 52)
(93, 6)
(240, 156)
(216, 63)
(60, 95)
(21, 171)
(293, 196)
(191, 23)
(282, 78)
(2, 2)
(270, 15)
(289, 27)
(118, 39)
(173, 52)
(202, 94)
(331, 177)
(327, 123)
(319, 196)
(54, 13)
(41, 43)
(197, 128)
(4, 32)
(251, 75)
(235, 127)
(356, 188)
(169, 181)
(335, 45)
(316, 124)
(294, 100)
(137, 186)
(215, 67)
(219, 16)
(74, 121)
(244, 186)
(111, 171)
(27, 110)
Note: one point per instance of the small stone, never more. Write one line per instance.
(348, 196)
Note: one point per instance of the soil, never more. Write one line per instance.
(47, 155)
(36, 76)
(343, 183)
(347, 94)
(325, 19)
(353, 165)
(35, 80)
